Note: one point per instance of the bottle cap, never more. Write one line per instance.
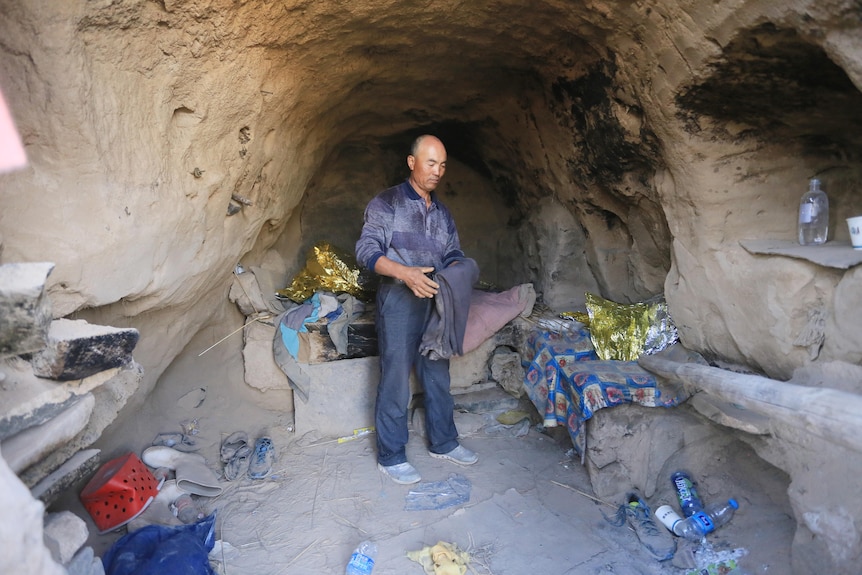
(733, 503)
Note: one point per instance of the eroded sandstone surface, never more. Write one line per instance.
(617, 147)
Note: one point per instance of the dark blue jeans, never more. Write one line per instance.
(400, 319)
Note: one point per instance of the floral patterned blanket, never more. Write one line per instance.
(568, 383)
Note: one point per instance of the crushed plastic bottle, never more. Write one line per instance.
(700, 523)
(362, 560)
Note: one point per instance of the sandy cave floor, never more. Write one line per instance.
(524, 515)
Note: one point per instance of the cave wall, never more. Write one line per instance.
(142, 119)
(610, 146)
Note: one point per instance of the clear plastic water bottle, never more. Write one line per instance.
(700, 523)
(689, 501)
(362, 560)
(722, 513)
(813, 215)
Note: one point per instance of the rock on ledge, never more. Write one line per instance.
(77, 349)
(25, 312)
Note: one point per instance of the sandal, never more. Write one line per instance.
(232, 444)
(238, 464)
(262, 459)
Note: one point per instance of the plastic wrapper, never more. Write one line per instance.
(626, 331)
(327, 269)
(578, 316)
(439, 494)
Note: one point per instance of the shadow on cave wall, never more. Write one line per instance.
(778, 87)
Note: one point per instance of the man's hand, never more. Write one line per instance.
(413, 277)
(420, 284)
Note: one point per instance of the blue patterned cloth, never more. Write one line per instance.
(568, 383)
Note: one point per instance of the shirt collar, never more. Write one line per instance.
(413, 195)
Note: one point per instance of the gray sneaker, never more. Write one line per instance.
(658, 541)
(401, 473)
(460, 455)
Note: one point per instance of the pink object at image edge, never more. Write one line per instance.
(854, 225)
(12, 154)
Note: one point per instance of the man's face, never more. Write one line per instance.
(428, 165)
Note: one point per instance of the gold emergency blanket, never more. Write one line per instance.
(327, 269)
(626, 331)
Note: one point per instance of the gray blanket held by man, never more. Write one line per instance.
(444, 329)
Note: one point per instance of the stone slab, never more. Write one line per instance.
(25, 311)
(27, 400)
(111, 396)
(340, 397)
(35, 443)
(259, 367)
(78, 349)
(65, 533)
(85, 562)
(507, 370)
(472, 367)
(82, 464)
(840, 255)
(21, 529)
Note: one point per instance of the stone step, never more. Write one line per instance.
(77, 349)
(27, 400)
(81, 465)
(25, 312)
(34, 443)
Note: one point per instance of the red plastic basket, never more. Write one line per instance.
(119, 492)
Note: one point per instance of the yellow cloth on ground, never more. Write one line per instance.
(441, 559)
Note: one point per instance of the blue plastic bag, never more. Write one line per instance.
(159, 550)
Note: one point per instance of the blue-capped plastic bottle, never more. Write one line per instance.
(689, 501)
(362, 560)
(700, 523)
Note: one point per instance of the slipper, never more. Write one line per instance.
(193, 475)
(233, 443)
(262, 458)
(238, 465)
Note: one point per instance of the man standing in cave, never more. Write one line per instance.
(408, 233)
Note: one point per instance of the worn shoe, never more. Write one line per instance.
(401, 473)
(261, 459)
(659, 542)
(238, 465)
(460, 455)
(232, 444)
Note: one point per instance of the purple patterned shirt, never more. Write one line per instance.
(400, 227)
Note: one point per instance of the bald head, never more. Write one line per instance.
(427, 163)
